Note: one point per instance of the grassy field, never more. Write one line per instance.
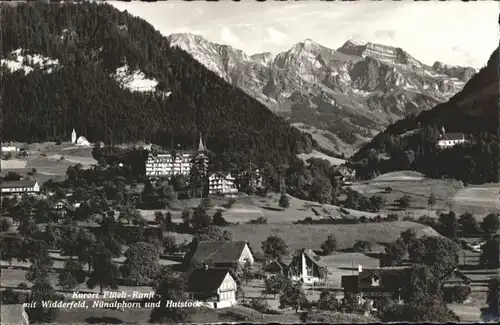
(311, 236)
(248, 208)
(414, 185)
(316, 154)
(476, 199)
(46, 159)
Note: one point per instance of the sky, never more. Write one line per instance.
(453, 32)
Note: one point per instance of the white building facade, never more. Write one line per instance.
(176, 163)
(221, 184)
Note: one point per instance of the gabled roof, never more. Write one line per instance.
(21, 183)
(453, 136)
(383, 271)
(221, 252)
(276, 264)
(456, 274)
(312, 256)
(206, 280)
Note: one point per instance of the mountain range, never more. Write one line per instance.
(342, 97)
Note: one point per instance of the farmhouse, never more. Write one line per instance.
(176, 162)
(19, 187)
(222, 253)
(307, 267)
(276, 267)
(216, 287)
(454, 280)
(375, 283)
(250, 178)
(346, 174)
(221, 184)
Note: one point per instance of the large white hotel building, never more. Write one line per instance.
(176, 163)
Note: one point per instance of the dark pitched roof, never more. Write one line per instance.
(275, 265)
(455, 273)
(382, 272)
(206, 280)
(21, 183)
(221, 252)
(453, 136)
(350, 282)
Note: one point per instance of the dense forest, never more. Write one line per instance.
(410, 143)
(90, 41)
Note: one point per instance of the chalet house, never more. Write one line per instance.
(307, 268)
(251, 178)
(449, 140)
(347, 175)
(19, 187)
(453, 279)
(276, 267)
(215, 287)
(375, 283)
(221, 184)
(222, 253)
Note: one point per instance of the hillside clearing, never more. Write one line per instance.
(316, 154)
(478, 200)
(392, 186)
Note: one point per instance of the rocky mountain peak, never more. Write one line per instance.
(342, 97)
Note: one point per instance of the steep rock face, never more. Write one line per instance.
(342, 97)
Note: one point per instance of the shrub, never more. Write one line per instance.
(457, 294)
(259, 305)
(392, 217)
(23, 285)
(362, 246)
(258, 221)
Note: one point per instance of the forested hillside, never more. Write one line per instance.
(411, 142)
(86, 44)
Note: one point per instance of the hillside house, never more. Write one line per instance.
(221, 184)
(449, 140)
(455, 278)
(276, 267)
(375, 283)
(222, 253)
(249, 178)
(346, 174)
(214, 286)
(307, 267)
(19, 187)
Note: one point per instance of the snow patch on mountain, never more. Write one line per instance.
(19, 60)
(134, 80)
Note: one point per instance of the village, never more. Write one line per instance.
(224, 265)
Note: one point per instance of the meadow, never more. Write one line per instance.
(312, 236)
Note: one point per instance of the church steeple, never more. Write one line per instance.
(201, 147)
